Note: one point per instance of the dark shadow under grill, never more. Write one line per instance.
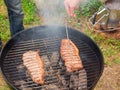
(56, 77)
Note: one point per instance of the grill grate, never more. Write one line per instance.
(55, 72)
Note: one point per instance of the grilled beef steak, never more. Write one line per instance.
(34, 65)
(70, 55)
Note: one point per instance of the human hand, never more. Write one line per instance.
(71, 6)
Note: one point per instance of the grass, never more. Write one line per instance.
(29, 10)
(4, 24)
(110, 47)
(89, 8)
(3, 85)
(30, 18)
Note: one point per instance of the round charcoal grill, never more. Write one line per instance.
(47, 39)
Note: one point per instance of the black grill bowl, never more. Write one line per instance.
(47, 39)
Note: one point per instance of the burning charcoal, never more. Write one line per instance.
(60, 62)
(27, 74)
(43, 89)
(74, 81)
(62, 81)
(54, 57)
(20, 82)
(82, 80)
(52, 87)
(22, 86)
(21, 68)
(47, 64)
(45, 60)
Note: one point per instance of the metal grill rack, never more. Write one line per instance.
(56, 77)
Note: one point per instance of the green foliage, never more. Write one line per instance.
(29, 11)
(29, 17)
(115, 43)
(109, 47)
(116, 61)
(89, 8)
(4, 25)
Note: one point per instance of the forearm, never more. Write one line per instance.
(71, 6)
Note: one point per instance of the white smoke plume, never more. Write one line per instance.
(51, 11)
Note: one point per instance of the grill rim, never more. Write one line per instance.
(8, 44)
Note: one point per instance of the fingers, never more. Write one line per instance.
(67, 8)
(70, 10)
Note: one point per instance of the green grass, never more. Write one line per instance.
(116, 61)
(29, 11)
(29, 17)
(4, 28)
(109, 47)
(3, 85)
(89, 8)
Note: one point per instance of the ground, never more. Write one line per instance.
(109, 44)
(110, 79)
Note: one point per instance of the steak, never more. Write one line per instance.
(34, 65)
(70, 55)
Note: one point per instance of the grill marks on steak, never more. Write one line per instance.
(34, 65)
(70, 55)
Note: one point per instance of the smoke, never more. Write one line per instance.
(51, 11)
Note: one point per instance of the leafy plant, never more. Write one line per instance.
(29, 11)
(109, 47)
(89, 8)
(4, 25)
